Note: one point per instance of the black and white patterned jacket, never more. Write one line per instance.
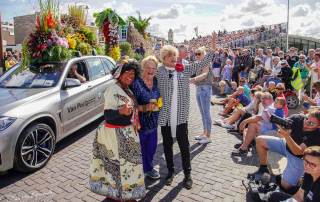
(165, 85)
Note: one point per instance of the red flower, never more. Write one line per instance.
(179, 67)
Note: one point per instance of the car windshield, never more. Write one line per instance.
(33, 76)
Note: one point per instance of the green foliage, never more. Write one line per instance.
(138, 57)
(88, 33)
(109, 14)
(25, 52)
(84, 48)
(126, 49)
(141, 24)
(57, 53)
(100, 50)
(78, 13)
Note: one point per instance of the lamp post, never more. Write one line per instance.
(288, 27)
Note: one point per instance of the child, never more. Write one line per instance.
(271, 88)
(227, 71)
(279, 104)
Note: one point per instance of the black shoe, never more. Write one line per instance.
(233, 131)
(239, 152)
(259, 173)
(187, 182)
(237, 146)
(169, 179)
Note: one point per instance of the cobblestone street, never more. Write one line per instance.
(217, 176)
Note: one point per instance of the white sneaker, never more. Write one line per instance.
(228, 126)
(218, 122)
(198, 137)
(204, 140)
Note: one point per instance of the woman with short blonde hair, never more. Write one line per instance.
(167, 51)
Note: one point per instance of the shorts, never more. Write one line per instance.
(216, 72)
(266, 128)
(294, 169)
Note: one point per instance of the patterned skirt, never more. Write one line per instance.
(116, 167)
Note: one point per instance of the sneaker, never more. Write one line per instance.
(153, 174)
(187, 182)
(227, 126)
(204, 140)
(198, 137)
(239, 152)
(237, 146)
(218, 122)
(169, 179)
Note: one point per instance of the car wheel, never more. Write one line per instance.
(292, 101)
(34, 148)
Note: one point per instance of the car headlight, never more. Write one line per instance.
(5, 122)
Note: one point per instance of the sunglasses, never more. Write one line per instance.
(241, 81)
(279, 88)
(197, 54)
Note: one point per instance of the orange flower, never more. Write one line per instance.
(50, 21)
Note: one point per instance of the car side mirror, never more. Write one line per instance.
(71, 83)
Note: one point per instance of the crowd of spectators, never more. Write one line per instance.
(240, 38)
(256, 85)
(11, 58)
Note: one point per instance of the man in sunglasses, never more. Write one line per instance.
(305, 132)
(309, 190)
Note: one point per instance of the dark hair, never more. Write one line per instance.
(315, 113)
(316, 85)
(132, 65)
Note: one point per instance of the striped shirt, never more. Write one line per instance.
(165, 85)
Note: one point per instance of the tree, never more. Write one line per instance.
(141, 24)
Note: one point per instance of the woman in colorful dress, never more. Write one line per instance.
(148, 96)
(116, 168)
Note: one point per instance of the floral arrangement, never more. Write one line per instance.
(46, 43)
(179, 67)
(109, 21)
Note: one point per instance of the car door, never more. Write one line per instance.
(99, 78)
(75, 102)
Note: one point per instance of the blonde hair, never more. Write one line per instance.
(168, 50)
(202, 50)
(150, 58)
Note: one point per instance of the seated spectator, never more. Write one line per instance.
(243, 113)
(291, 144)
(240, 98)
(309, 190)
(244, 84)
(280, 88)
(259, 124)
(73, 73)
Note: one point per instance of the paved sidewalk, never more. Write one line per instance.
(217, 176)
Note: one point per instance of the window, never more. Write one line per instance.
(124, 33)
(95, 69)
(109, 66)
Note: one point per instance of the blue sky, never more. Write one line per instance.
(183, 15)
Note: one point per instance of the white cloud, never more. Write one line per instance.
(180, 29)
(248, 23)
(301, 11)
(170, 13)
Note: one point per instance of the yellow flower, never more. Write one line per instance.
(72, 43)
(115, 53)
(160, 103)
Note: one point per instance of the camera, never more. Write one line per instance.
(287, 124)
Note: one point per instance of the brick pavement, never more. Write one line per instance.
(217, 176)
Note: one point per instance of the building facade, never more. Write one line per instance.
(23, 26)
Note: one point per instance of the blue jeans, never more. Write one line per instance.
(148, 143)
(203, 94)
(294, 169)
